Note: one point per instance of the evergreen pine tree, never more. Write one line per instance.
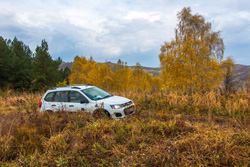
(46, 70)
(20, 74)
(5, 59)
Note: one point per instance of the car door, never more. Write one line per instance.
(60, 102)
(49, 102)
(77, 102)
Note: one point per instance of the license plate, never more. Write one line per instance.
(129, 110)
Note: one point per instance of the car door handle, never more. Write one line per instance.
(53, 105)
(71, 105)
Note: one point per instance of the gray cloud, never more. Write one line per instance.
(130, 30)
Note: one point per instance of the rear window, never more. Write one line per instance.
(49, 96)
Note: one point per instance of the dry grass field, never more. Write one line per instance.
(168, 129)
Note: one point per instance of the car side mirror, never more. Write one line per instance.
(84, 101)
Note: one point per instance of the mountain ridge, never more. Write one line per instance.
(241, 71)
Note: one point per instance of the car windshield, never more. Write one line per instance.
(95, 93)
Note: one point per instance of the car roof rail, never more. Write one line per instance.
(75, 87)
(80, 85)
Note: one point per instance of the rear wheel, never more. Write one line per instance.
(49, 111)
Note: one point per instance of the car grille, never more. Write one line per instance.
(129, 110)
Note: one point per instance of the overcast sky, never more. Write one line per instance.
(130, 30)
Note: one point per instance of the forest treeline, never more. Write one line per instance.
(23, 70)
(192, 62)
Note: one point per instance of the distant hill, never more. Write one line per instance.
(241, 71)
(65, 64)
(155, 71)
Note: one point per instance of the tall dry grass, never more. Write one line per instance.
(168, 129)
(12, 101)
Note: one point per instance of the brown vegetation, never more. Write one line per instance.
(168, 129)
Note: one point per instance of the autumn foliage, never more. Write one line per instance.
(192, 61)
(117, 78)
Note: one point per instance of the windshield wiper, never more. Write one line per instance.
(107, 96)
(98, 98)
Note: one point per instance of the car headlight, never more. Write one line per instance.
(116, 106)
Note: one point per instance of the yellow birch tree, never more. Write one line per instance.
(192, 61)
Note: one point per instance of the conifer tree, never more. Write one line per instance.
(66, 72)
(46, 70)
(5, 60)
(20, 75)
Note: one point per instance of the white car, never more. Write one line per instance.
(86, 98)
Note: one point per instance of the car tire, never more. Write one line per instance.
(49, 111)
(101, 113)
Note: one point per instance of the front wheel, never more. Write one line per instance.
(101, 113)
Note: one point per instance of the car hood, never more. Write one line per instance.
(115, 100)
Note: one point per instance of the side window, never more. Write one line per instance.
(49, 96)
(76, 97)
(61, 96)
